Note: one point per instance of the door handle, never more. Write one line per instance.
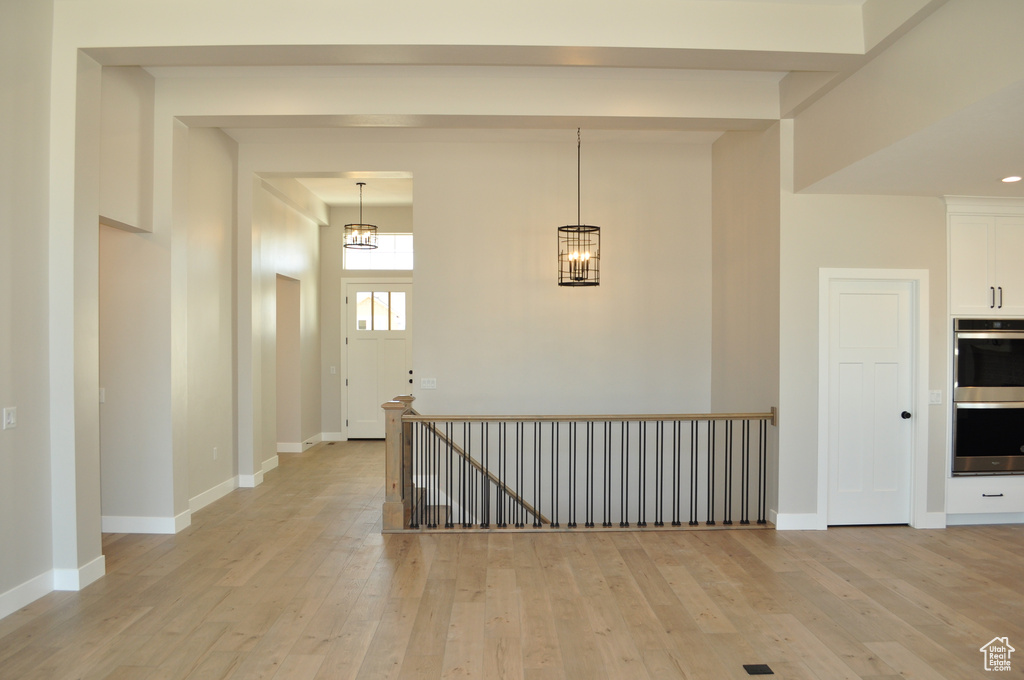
(992, 289)
(905, 415)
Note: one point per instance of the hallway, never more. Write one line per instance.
(293, 580)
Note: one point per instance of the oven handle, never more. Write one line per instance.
(989, 404)
(990, 335)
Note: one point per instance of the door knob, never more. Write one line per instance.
(905, 415)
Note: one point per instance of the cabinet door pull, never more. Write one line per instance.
(991, 495)
(992, 289)
(1000, 297)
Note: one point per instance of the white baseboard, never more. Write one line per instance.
(209, 496)
(931, 520)
(312, 441)
(25, 594)
(76, 579)
(985, 518)
(810, 521)
(289, 447)
(114, 524)
(332, 437)
(250, 481)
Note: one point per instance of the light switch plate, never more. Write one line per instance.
(428, 383)
(10, 417)
(935, 397)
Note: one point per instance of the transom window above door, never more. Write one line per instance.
(393, 252)
(380, 311)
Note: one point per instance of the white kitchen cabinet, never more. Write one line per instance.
(985, 494)
(986, 265)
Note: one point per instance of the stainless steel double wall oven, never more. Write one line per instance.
(988, 396)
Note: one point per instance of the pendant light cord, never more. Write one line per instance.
(361, 185)
(578, 176)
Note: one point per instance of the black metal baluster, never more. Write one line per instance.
(463, 497)
(694, 469)
(573, 453)
(641, 475)
(606, 477)
(624, 459)
(485, 477)
(450, 467)
(590, 476)
(520, 475)
(425, 476)
(556, 481)
(745, 475)
(727, 475)
(762, 473)
(659, 473)
(677, 435)
(711, 472)
(432, 487)
(502, 476)
(414, 522)
(536, 473)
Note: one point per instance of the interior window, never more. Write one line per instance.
(393, 252)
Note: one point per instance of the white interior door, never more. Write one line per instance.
(379, 353)
(870, 402)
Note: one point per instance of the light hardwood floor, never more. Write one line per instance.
(293, 580)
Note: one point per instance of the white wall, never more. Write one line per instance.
(287, 243)
(212, 156)
(134, 348)
(26, 554)
(498, 333)
(491, 324)
(849, 232)
(289, 365)
(745, 266)
(126, 148)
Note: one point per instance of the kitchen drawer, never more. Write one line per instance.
(985, 494)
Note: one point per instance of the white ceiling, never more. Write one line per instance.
(380, 190)
(966, 154)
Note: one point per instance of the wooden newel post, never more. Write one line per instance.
(397, 508)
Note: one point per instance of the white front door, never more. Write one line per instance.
(379, 343)
(870, 396)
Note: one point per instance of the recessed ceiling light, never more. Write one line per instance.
(1012, 178)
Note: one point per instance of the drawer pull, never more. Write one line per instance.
(991, 495)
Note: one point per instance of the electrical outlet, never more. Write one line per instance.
(428, 383)
(10, 417)
(215, 453)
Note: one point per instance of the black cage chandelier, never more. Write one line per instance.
(579, 245)
(361, 236)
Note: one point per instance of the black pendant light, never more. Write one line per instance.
(361, 236)
(579, 245)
